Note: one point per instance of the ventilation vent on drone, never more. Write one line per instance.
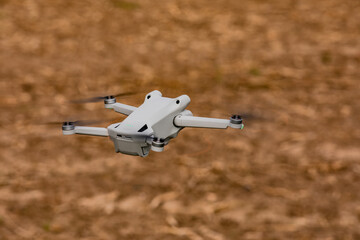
(143, 128)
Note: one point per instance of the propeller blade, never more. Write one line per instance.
(76, 123)
(88, 100)
(125, 94)
(88, 122)
(49, 123)
(248, 116)
(100, 98)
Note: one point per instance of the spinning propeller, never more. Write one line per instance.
(69, 126)
(72, 127)
(75, 123)
(100, 98)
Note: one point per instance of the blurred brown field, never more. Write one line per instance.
(291, 66)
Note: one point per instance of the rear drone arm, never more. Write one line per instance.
(110, 103)
(69, 128)
(203, 122)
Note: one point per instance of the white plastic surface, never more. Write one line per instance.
(121, 108)
(96, 131)
(68, 132)
(201, 122)
(157, 113)
(157, 149)
(236, 126)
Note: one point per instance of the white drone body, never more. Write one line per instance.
(152, 125)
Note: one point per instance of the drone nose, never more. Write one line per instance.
(183, 101)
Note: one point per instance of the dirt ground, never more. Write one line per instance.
(291, 67)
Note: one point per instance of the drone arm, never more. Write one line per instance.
(200, 122)
(203, 122)
(121, 108)
(95, 131)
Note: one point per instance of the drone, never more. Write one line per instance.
(150, 126)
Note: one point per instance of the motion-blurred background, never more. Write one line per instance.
(291, 66)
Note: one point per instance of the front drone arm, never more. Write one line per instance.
(96, 131)
(69, 128)
(203, 122)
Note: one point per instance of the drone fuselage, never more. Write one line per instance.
(153, 119)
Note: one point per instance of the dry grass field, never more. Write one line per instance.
(291, 66)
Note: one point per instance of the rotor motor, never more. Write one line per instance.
(158, 144)
(109, 101)
(236, 122)
(68, 128)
